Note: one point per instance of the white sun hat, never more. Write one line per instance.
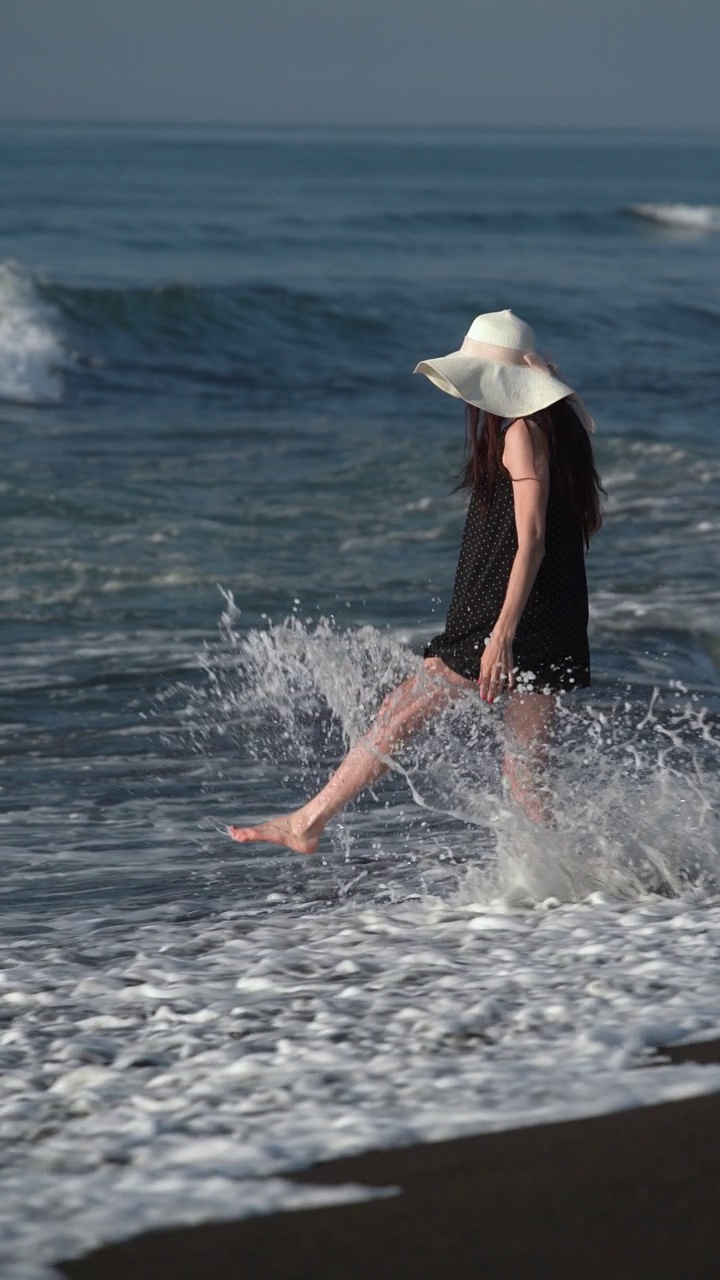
(498, 369)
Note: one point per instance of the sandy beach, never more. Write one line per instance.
(625, 1196)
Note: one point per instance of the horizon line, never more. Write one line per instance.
(150, 123)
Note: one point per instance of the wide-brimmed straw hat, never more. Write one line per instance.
(498, 369)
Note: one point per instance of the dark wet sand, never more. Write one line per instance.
(621, 1197)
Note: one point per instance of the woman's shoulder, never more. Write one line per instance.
(524, 446)
(513, 428)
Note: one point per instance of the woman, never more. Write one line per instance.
(517, 622)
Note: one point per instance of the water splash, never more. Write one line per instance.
(31, 353)
(269, 688)
(635, 786)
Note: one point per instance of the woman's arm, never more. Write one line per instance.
(525, 457)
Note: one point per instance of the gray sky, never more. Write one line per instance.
(468, 62)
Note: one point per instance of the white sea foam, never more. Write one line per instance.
(180, 1067)
(31, 352)
(694, 217)
(177, 1072)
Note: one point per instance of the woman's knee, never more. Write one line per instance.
(435, 666)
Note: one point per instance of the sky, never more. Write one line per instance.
(518, 63)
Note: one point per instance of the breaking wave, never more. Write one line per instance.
(253, 336)
(31, 350)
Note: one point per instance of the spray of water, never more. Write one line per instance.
(635, 786)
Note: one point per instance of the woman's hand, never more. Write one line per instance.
(496, 667)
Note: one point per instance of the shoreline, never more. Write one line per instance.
(621, 1196)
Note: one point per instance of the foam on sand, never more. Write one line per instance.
(31, 352)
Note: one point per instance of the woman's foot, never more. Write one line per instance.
(291, 831)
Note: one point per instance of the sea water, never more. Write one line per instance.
(228, 529)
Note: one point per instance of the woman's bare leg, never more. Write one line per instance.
(528, 721)
(403, 712)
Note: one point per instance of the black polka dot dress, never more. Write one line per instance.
(550, 649)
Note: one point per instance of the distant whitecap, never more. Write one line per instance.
(694, 217)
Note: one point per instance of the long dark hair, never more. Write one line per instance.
(573, 475)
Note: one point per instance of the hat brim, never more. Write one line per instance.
(508, 390)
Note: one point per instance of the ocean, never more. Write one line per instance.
(229, 527)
